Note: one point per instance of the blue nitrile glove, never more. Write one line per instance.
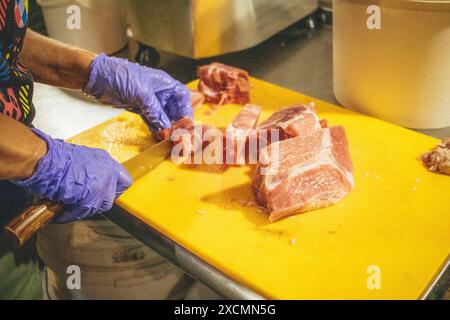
(151, 93)
(86, 180)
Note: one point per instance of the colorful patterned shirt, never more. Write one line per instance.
(16, 82)
(19, 270)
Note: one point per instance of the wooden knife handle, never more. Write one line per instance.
(25, 225)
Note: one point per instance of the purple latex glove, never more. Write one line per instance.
(86, 180)
(151, 93)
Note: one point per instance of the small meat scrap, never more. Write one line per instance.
(221, 84)
(197, 99)
(294, 121)
(247, 118)
(438, 159)
(304, 173)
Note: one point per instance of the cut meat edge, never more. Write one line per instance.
(334, 152)
(235, 143)
(323, 195)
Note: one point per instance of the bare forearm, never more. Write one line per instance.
(56, 63)
(20, 150)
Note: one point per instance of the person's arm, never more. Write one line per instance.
(55, 63)
(156, 96)
(86, 180)
(20, 150)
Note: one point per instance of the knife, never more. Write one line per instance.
(26, 224)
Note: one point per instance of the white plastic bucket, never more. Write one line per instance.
(399, 72)
(102, 23)
(112, 264)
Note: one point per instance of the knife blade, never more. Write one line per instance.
(140, 165)
(26, 224)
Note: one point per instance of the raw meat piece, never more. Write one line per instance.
(324, 123)
(304, 173)
(194, 132)
(235, 143)
(192, 140)
(247, 118)
(184, 123)
(223, 84)
(438, 160)
(197, 99)
(294, 121)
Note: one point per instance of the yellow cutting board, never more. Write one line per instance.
(386, 240)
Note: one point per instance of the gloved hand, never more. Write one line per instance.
(86, 180)
(151, 93)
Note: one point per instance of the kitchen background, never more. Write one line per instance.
(299, 57)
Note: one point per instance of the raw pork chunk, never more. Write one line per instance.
(184, 123)
(438, 160)
(223, 84)
(304, 173)
(193, 132)
(294, 121)
(235, 143)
